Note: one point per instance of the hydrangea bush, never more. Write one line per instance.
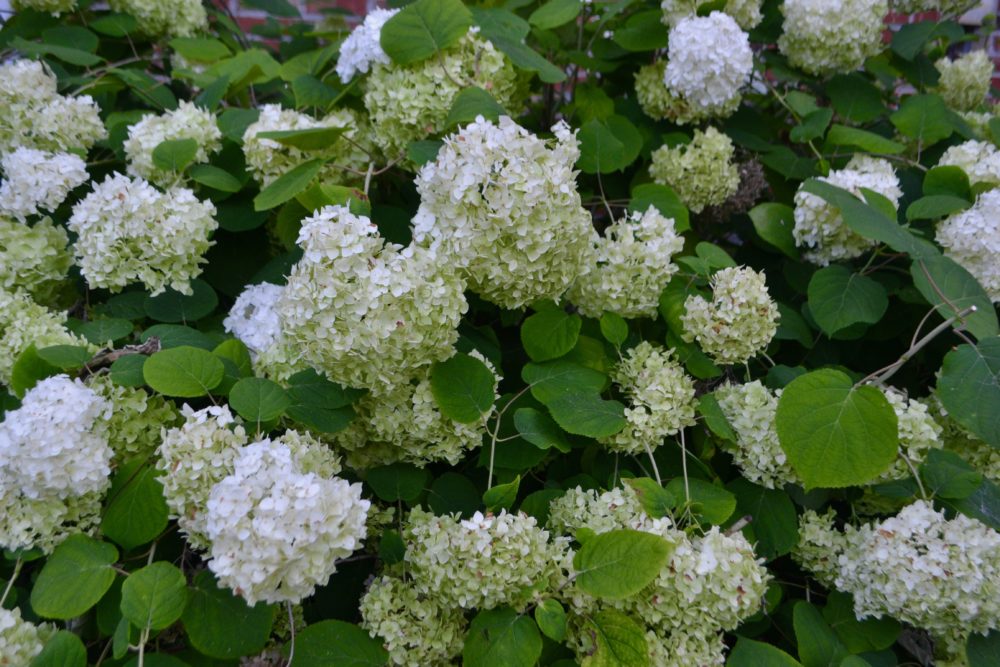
(543, 333)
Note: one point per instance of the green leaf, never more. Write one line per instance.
(539, 429)
(77, 574)
(175, 154)
(555, 13)
(422, 152)
(983, 504)
(501, 637)
(114, 25)
(185, 372)
(619, 641)
(551, 619)
(813, 125)
(424, 28)
(309, 139)
(452, 492)
(983, 650)
(584, 413)
(859, 636)
(774, 525)
(600, 150)
(337, 643)
(715, 418)
(497, 23)
(215, 178)
(841, 135)
(288, 185)
(258, 399)
(65, 357)
(154, 596)
(528, 59)
(398, 481)
(817, 643)
(714, 503)
(472, 102)
(836, 434)
(127, 371)
(839, 298)
(665, 200)
(147, 88)
(502, 496)
(619, 563)
(947, 180)
(950, 288)
(463, 388)
(947, 475)
(750, 653)
(549, 334)
(773, 223)
(643, 31)
(63, 649)
(99, 332)
(220, 625)
(553, 379)
(281, 8)
(923, 117)
(172, 306)
(65, 53)
(136, 510)
(29, 368)
(969, 387)
(614, 328)
(200, 49)
(318, 403)
(656, 501)
(935, 206)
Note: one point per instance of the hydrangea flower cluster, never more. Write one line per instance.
(23, 323)
(481, 562)
(939, 574)
(979, 159)
(750, 408)
(254, 320)
(708, 62)
(194, 457)
(702, 172)
(403, 423)
(819, 226)
(965, 81)
(417, 630)
(408, 102)
(137, 419)
(33, 258)
(37, 116)
(21, 641)
(745, 12)
(632, 267)
(658, 102)
(36, 181)
(187, 121)
(172, 18)
(362, 49)
(279, 523)
(502, 204)
(130, 231)
(347, 157)
(739, 321)
(54, 7)
(54, 463)
(945, 7)
(660, 399)
(822, 37)
(365, 312)
(972, 237)
(918, 433)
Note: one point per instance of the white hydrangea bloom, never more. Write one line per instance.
(939, 574)
(36, 116)
(660, 399)
(702, 172)
(137, 418)
(825, 37)
(965, 81)
(416, 630)
(956, 438)
(979, 159)
(972, 238)
(502, 204)
(686, 648)
(268, 160)
(277, 525)
(708, 61)
(750, 410)
(254, 317)
(194, 457)
(36, 181)
(187, 121)
(918, 433)
(363, 47)
(33, 257)
(819, 226)
(171, 18)
(745, 12)
(481, 562)
(23, 323)
(632, 267)
(365, 312)
(596, 511)
(739, 321)
(54, 7)
(129, 231)
(20, 641)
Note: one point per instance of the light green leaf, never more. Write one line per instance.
(584, 413)
(502, 496)
(463, 388)
(77, 574)
(600, 150)
(215, 178)
(841, 135)
(839, 298)
(550, 334)
(552, 379)
(154, 596)
(288, 185)
(614, 328)
(750, 653)
(774, 525)
(171, 306)
(309, 139)
(472, 102)
(714, 503)
(185, 371)
(619, 641)
(949, 287)
(935, 206)
(258, 399)
(619, 563)
(63, 649)
(656, 501)
(555, 13)
(969, 387)
(424, 28)
(136, 511)
(174, 154)
(539, 429)
(551, 619)
(501, 637)
(663, 199)
(221, 625)
(923, 117)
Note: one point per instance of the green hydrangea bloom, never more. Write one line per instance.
(702, 172)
